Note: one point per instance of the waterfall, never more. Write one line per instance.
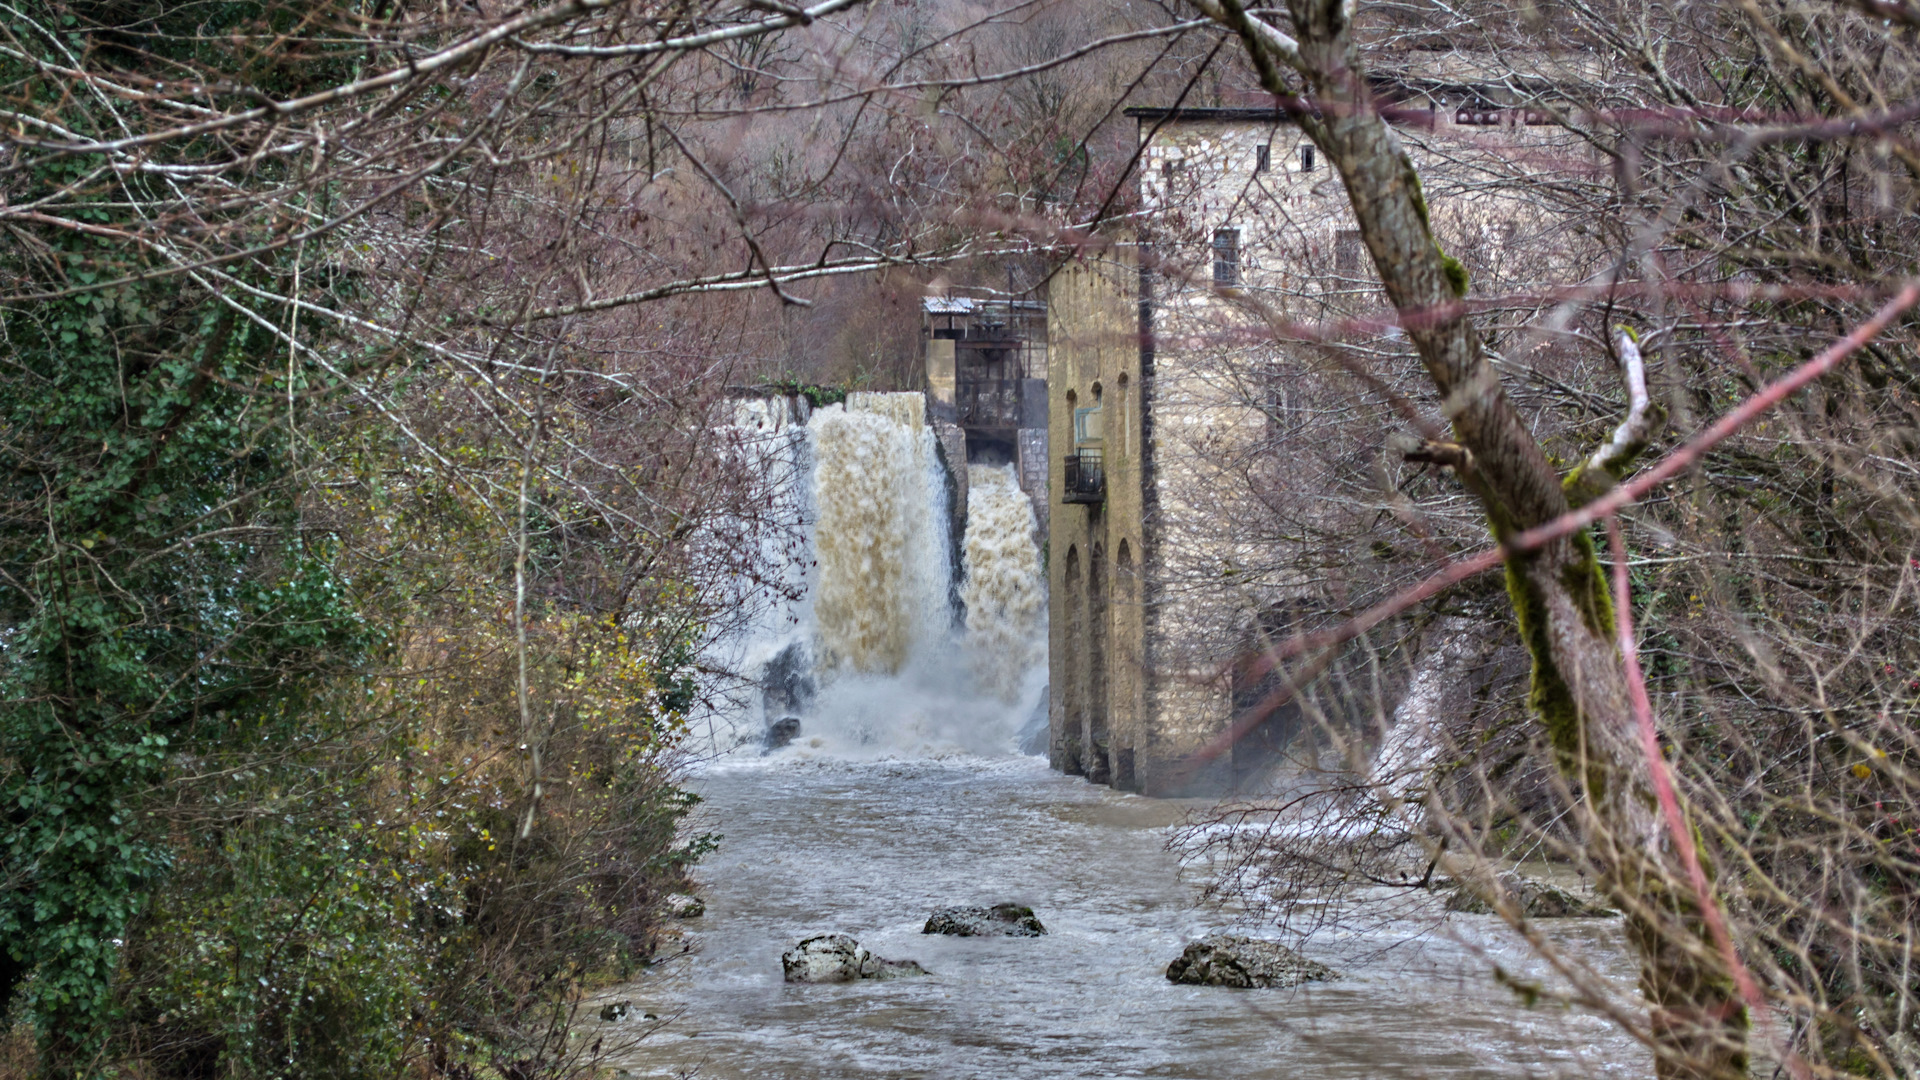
(880, 535)
(871, 659)
(765, 615)
(1004, 591)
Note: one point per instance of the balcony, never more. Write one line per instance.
(1086, 480)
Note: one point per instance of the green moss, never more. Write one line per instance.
(1456, 273)
(1418, 194)
(816, 395)
(1549, 695)
(1581, 488)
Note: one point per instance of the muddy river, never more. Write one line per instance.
(870, 848)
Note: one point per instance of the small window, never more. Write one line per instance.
(1306, 157)
(1262, 158)
(1226, 257)
(1088, 427)
(1346, 253)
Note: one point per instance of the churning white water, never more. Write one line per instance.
(767, 611)
(871, 848)
(880, 537)
(888, 666)
(1005, 591)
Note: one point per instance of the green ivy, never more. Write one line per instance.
(155, 577)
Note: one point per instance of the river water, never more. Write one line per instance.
(869, 848)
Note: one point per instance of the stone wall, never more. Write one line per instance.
(1096, 601)
(940, 381)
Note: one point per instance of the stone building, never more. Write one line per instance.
(1184, 458)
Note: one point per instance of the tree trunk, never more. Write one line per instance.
(1559, 591)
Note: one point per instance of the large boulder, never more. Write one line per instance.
(1535, 899)
(779, 734)
(1000, 920)
(1244, 962)
(837, 958)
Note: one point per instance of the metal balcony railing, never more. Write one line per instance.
(1086, 481)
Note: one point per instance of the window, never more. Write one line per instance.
(1285, 408)
(1089, 428)
(1306, 157)
(1262, 157)
(1346, 253)
(1226, 257)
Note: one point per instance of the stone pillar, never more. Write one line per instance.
(1032, 467)
(952, 439)
(940, 381)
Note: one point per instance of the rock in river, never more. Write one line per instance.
(685, 906)
(779, 734)
(1536, 899)
(1000, 920)
(837, 958)
(1231, 960)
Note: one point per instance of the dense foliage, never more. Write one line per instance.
(336, 731)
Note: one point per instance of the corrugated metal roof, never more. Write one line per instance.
(948, 305)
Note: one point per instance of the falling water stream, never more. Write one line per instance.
(880, 537)
(904, 795)
(1004, 592)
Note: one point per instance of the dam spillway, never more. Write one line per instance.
(905, 638)
(880, 535)
(1004, 593)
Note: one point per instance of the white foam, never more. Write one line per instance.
(897, 677)
(880, 537)
(1005, 593)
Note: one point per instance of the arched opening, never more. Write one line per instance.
(1073, 696)
(1098, 746)
(1126, 701)
(1120, 420)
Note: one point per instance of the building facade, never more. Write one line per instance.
(1197, 472)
